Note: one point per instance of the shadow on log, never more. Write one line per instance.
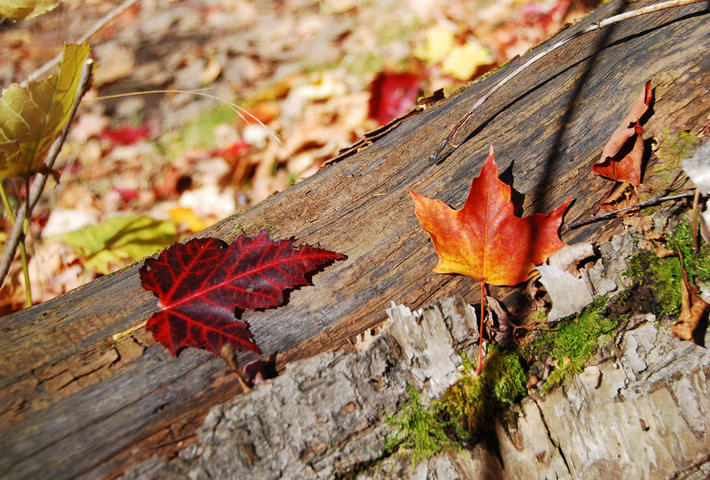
(73, 404)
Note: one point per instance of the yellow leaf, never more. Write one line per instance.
(188, 217)
(463, 61)
(438, 43)
(25, 9)
(32, 117)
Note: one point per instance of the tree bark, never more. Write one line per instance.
(642, 417)
(74, 404)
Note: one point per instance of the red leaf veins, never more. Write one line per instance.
(200, 284)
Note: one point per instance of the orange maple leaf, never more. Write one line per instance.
(485, 240)
(623, 154)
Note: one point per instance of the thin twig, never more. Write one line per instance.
(595, 26)
(696, 198)
(97, 26)
(18, 232)
(645, 203)
(233, 106)
(23, 249)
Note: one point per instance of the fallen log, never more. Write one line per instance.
(327, 416)
(75, 404)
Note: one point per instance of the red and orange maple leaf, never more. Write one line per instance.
(623, 154)
(201, 282)
(485, 240)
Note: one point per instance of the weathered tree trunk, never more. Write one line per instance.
(646, 418)
(75, 405)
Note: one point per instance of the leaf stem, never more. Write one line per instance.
(23, 248)
(479, 367)
(6, 204)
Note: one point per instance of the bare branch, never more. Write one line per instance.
(18, 232)
(645, 203)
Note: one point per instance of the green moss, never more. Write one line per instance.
(540, 315)
(572, 342)
(575, 338)
(472, 402)
(697, 265)
(563, 373)
(674, 149)
(465, 412)
(663, 275)
(467, 402)
(579, 339)
(419, 431)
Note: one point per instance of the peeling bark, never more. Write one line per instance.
(326, 416)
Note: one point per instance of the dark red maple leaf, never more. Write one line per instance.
(201, 282)
(392, 95)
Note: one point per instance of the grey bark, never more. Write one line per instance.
(326, 416)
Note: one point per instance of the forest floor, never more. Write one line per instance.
(254, 96)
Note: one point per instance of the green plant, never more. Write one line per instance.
(473, 401)
(419, 431)
(573, 342)
(34, 121)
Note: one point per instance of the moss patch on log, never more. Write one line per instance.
(662, 276)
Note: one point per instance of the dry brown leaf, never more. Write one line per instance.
(505, 333)
(535, 292)
(692, 313)
(115, 62)
(623, 196)
(643, 225)
(622, 156)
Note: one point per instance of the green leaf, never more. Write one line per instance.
(25, 9)
(120, 238)
(32, 117)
